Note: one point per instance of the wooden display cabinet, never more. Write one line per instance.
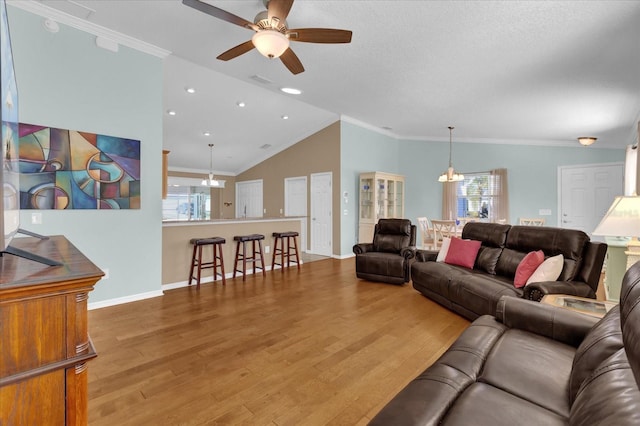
(44, 337)
(381, 196)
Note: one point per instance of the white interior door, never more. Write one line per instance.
(249, 198)
(586, 192)
(295, 204)
(321, 225)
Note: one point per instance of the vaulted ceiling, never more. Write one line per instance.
(531, 72)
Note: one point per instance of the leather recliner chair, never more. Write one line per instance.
(387, 258)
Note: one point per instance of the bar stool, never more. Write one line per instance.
(285, 253)
(256, 254)
(215, 263)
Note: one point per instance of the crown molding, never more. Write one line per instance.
(72, 21)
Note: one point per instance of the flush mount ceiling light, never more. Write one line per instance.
(206, 133)
(211, 181)
(285, 117)
(190, 90)
(241, 104)
(291, 90)
(587, 140)
(450, 175)
(171, 112)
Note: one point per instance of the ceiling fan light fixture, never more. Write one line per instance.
(587, 140)
(270, 43)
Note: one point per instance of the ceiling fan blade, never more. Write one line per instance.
(234, 52)
(279, 9)
(219, 13)
(291, 61)
(319, 35)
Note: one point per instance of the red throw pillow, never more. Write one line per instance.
(527, 267)
(462, 252)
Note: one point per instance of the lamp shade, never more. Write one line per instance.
(622, 219)
(270, 43)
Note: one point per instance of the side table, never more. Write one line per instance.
(595, 308)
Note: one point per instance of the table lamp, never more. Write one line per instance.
(623, 220)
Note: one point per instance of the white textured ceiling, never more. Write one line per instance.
(501, 71)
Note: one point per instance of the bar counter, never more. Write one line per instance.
(176, 249)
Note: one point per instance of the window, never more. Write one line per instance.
(483, 196)
(187, 203)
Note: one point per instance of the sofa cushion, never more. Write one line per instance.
(610, 396)
(444, 249)
(482, 404)
(380, 263)
(479, 293)
(549, 270)
(488, 259)
(602, 341)
(570, 243)
(543, 364)
(436, 276)
(508, 262)
(462, 252)
(392, 235)
(527, 267)
(493, 237)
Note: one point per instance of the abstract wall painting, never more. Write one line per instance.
(69, 169)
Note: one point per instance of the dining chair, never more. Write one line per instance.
(427, 233)
(442, 229)
(532, 221)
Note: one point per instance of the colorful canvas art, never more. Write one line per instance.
(69, 169)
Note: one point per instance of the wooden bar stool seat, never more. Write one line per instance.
(255, 257)
(217, 262)
(285, 252)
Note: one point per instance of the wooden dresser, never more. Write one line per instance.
(44, 340)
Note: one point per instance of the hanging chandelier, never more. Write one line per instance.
(211, 181)
(450, 175)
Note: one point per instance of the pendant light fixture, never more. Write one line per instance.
(211, 181)
(450, 175)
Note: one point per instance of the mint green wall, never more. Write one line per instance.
(65, 81)
(532, 172)
(361, 150)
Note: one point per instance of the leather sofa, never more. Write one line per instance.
(475, 292)
(387, 258)
(533, 364)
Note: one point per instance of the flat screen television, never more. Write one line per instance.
(9, 151)
(9, 176)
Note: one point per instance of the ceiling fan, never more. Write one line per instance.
(272, 35)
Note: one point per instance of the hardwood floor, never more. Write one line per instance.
(310, 347)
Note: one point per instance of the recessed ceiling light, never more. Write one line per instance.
(190, 90)
(241, 104)
(291, 90)
(171, 112)
(285, 117)
(206, 133)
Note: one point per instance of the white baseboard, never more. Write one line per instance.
(126, 299)
(343, 256)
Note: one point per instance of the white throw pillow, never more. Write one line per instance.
(550, 270)
(444, 249)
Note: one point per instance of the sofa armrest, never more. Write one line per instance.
(408, 252)
(535, 291)
(426, 255)
(362, 248)
(554, 322)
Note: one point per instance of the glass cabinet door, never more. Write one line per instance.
(399, 197)
(381, 185)
(366, 199)
(390, 198)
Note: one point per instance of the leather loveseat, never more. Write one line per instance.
(387, 258)
(533, 364)
(475, 292)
